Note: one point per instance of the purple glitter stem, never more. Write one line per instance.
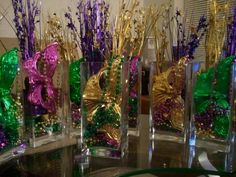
(196, 37)
(25, 26)
(94, 36)
(188, 46)
(231, 37)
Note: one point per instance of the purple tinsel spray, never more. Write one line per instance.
(95, 38)
(25, 20)
(186, 45)
(231, 36)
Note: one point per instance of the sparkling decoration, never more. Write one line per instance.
(103, 105)
(75, 115)
(39, 81)
(168, 87)
(75, 91)
(74, 76)
(102, 96)
(211, 97)
(46, 125)
(25, 18)
(95, 37)
(9, 109)
(215, 39)
(166, 93)
(231, 36)
(133, 91)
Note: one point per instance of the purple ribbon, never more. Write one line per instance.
(42, 91)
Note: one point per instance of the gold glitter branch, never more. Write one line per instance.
(162, 39)
(123, 26)
(217, 32)
(55, 31)
(132, 27)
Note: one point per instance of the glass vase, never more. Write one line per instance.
(166, 90)
(134, 100)
(44, 97)
(104, 108)
(12, 142)
(210, 115)
(75, 97)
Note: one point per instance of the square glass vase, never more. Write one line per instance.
(75, 98)
(12, 139)
(44, 98)
(104, 104)
(210, 115)
(134, 97)
(166, 92)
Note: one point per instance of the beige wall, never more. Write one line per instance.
(48, 6)
(60, 6)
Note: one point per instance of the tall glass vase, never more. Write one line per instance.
(75, 97)
(11, 109)
(134, 100)
(104, 107)
(44, 97)
(167, 88)
(210, 115)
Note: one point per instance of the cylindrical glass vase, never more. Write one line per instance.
(104, 107)
(11, 107)
(210, 113)
(44, 97)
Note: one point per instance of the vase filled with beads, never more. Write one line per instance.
(104, 103)
(43, 72)
(43, 96)
(210, 124)
(11, 109)
(167, 76)
(210, 96)
(134, 103)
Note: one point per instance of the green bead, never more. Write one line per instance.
(221, 126)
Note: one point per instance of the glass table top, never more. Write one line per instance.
(144, 158)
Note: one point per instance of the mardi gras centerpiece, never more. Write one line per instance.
(11, 116)
(142, 28)
(96, 46)
(168, 85)
(104, 75)
(213, 87)
(42, 94)
(94, 40)
(67, 48)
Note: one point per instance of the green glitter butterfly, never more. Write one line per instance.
(212, 90)
(8, 108)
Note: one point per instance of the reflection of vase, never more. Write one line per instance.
(104, 108)
(134, 93)
(167, 101)
(210, 110)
